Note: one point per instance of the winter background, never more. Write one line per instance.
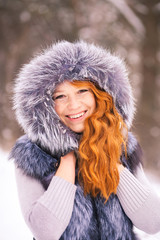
(12, 222)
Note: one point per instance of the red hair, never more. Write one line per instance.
(101, 145)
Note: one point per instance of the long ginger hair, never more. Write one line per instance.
(101, 145)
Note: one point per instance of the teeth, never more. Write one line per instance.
(77, 115)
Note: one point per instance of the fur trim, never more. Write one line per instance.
(32, 159)
(36, 162)
(37, 80)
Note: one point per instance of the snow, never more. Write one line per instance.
(12, 223)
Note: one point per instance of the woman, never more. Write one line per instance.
(78, 168)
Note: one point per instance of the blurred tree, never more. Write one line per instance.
(27, 27)
(127, 27)
(148, 118)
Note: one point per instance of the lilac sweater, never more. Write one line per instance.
(47, 213)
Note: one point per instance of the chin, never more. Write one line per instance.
(77, 130)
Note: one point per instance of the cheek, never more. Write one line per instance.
(90, 102)
(94, 106)
(58, 110)
(93, 103)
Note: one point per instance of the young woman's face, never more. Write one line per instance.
(74, 105)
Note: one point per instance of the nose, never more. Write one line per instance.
(73, 103)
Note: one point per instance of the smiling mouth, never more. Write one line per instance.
(76, 116)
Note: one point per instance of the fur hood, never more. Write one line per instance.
(37, 80)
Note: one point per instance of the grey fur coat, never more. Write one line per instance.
(38, 152)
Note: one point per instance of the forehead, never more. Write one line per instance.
(65, 86)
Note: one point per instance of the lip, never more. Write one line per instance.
(77, 119)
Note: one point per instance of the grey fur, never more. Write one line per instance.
(36, 82)
(91, 219)
(47, 138)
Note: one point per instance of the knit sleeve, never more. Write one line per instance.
(139, 201)
(47, 213)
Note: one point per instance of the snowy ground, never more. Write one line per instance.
(12, 223)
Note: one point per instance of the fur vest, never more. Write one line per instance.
(91, 218)
(38, 152)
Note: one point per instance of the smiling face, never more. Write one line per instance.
(73, 105)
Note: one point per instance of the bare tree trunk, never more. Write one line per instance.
(148, 122)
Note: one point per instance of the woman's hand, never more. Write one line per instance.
(69, 158)
(120, 167)
(66, 168)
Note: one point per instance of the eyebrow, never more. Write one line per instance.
(58, 91)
